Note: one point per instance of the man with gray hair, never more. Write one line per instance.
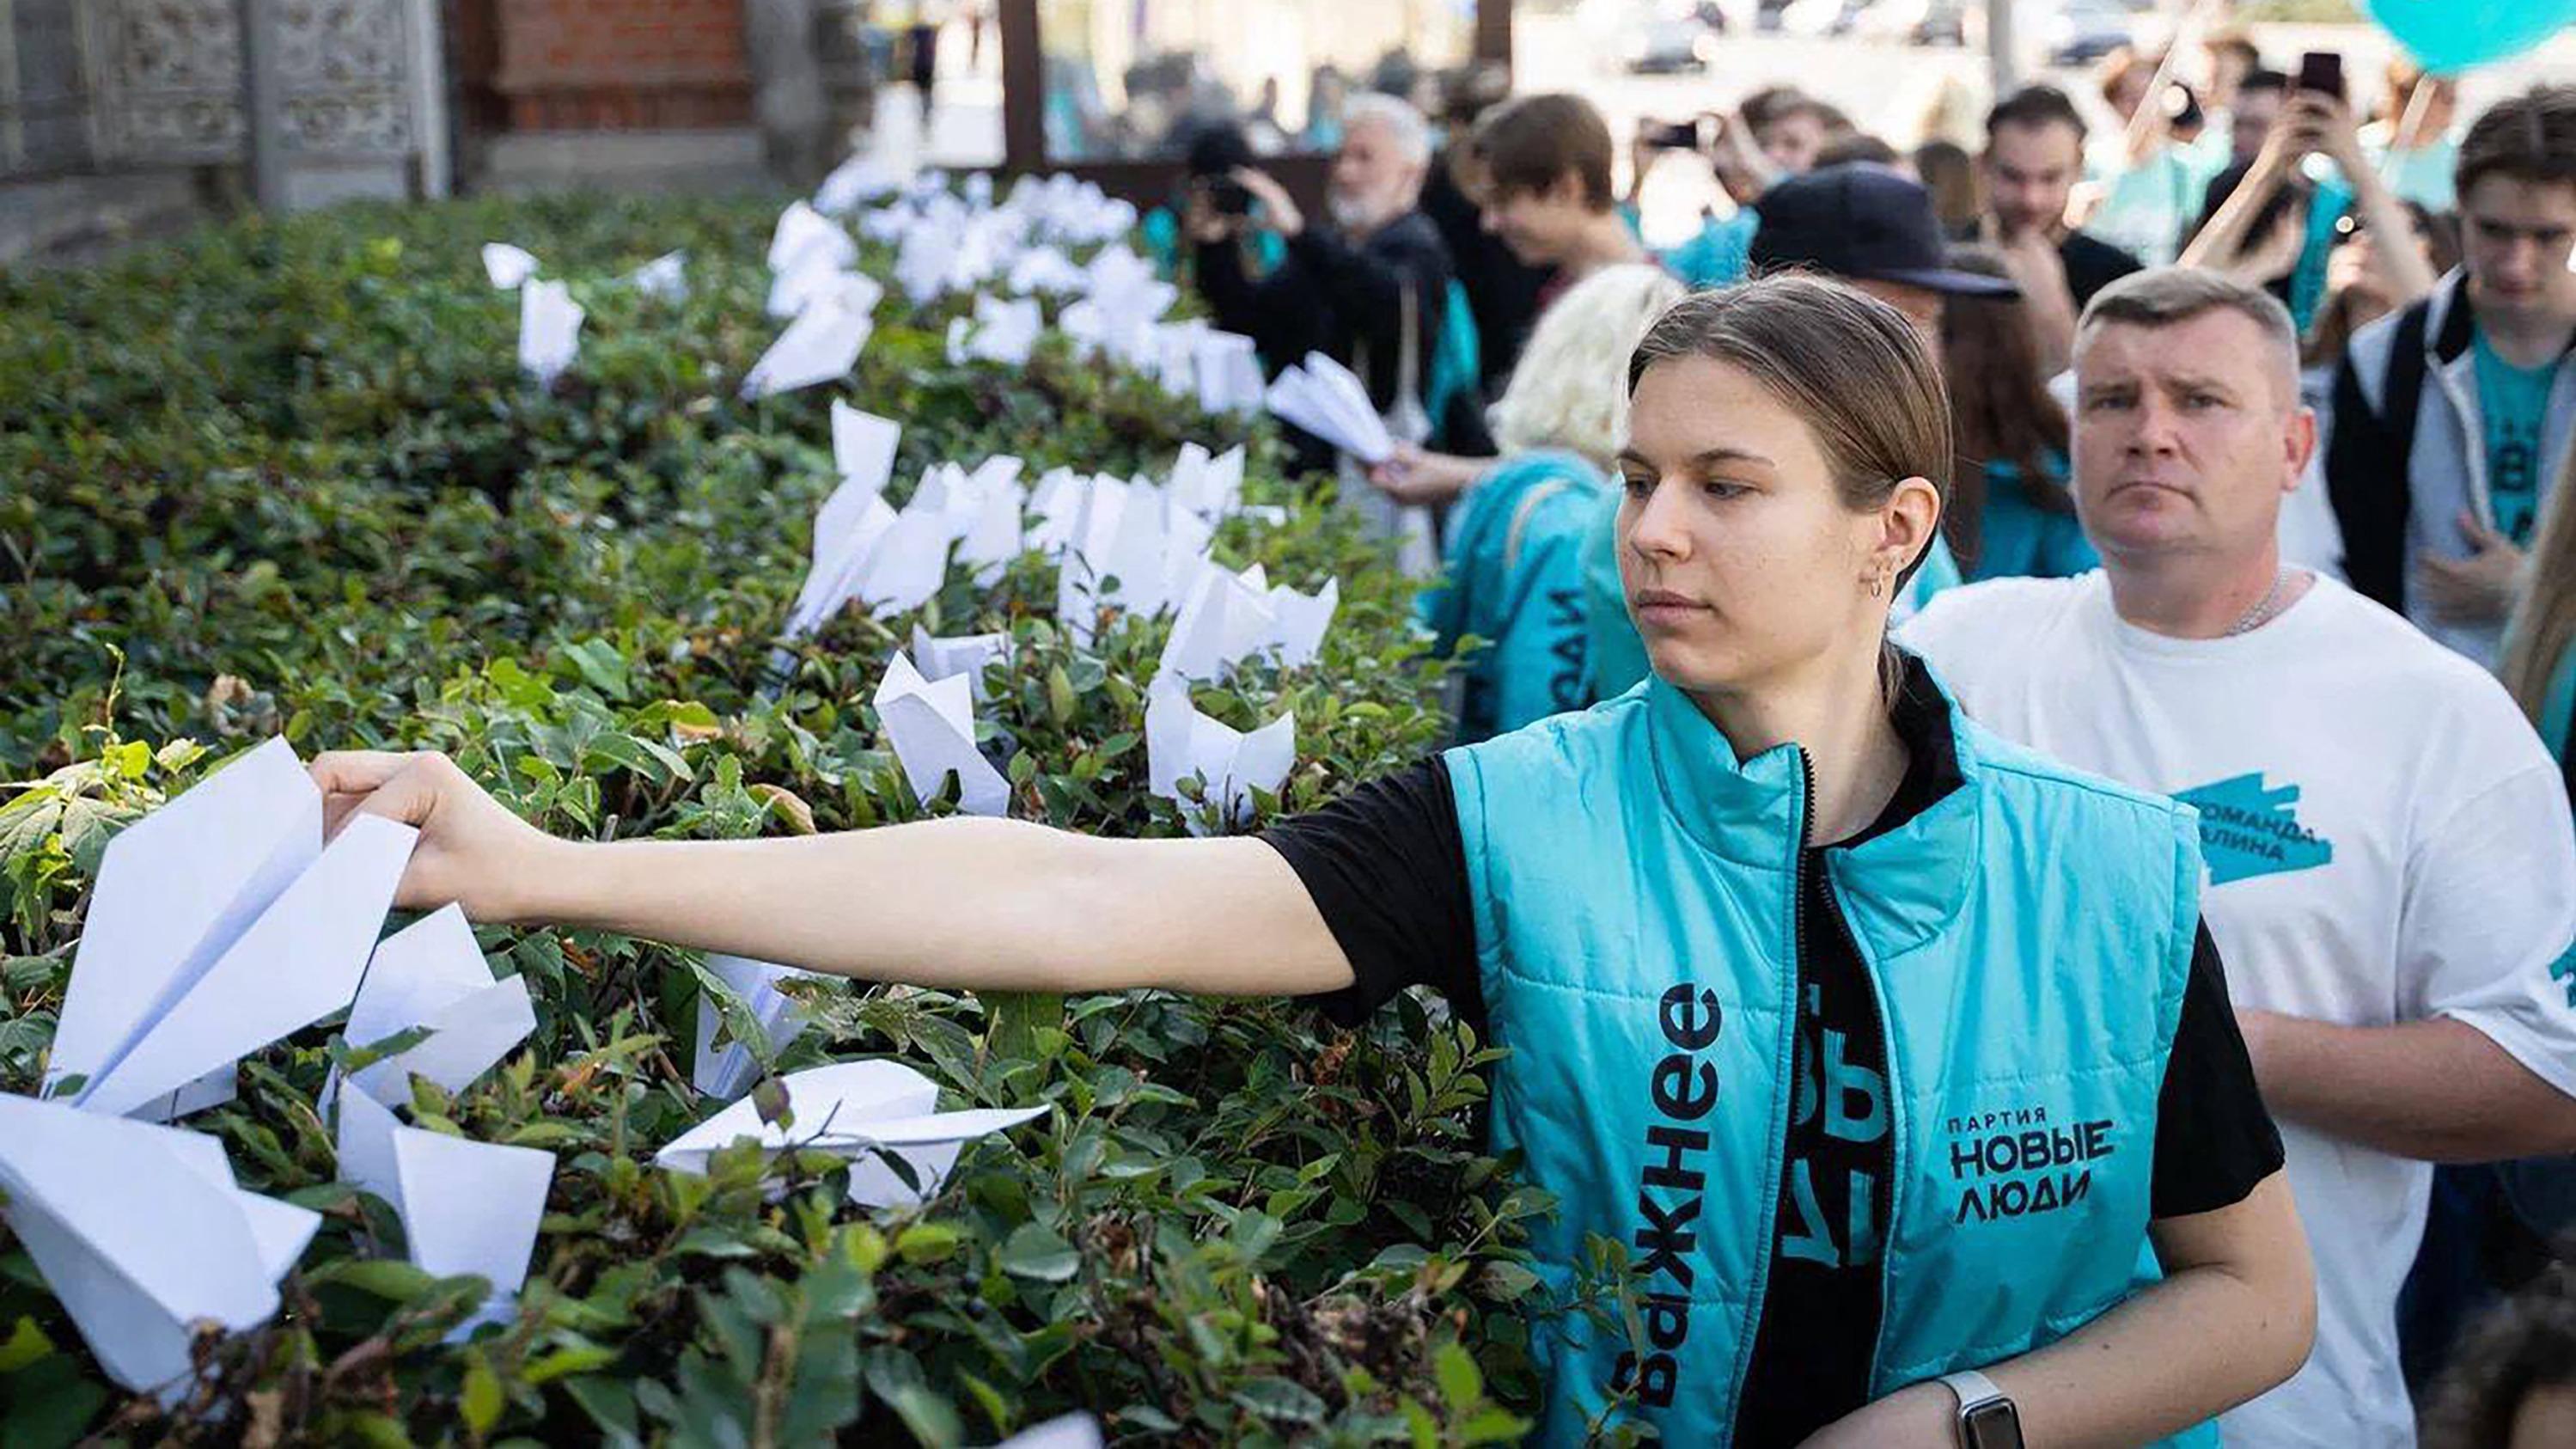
(1341, 288)
(2392, 867)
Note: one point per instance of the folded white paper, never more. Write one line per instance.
(1321, 396)
(140, 1232)
(466, 1207)
(931, 726)
(1180, 743)
(1211, 487)
(908, 563)
(1071, 1431)
(665, 277)
(821, 345)
(1302, 620)
(219, 923)
(858, 179)
(803, 233)
(1002, 331)
(966, 654)
(814, 279)
(863, 1111)
(847, 530)
(863, 447)
(549, 330)
(1227, 372)
(1225, 619)
(431, 974)
(728, 1071)
(1045, 269)
(507, 265)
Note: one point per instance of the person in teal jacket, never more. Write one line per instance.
(1512, 567)
(1883, 1082)
(2013, 516)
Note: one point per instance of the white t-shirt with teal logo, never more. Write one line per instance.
(2387, 841)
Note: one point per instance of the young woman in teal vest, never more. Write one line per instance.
(1890, 1055)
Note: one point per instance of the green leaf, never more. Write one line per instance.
(27, 1343)
(1462, 1385)
(1034, 1251)
(481, 1400)
(386, 1278)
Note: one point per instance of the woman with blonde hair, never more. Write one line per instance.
(2540, 644)
(1512, 569)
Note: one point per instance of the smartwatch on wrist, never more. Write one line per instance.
(1987, 1420)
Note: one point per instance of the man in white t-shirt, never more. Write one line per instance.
(2392, 867)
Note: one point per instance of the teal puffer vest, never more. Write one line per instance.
(2028, 936)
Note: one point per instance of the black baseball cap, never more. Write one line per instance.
(1863, 220)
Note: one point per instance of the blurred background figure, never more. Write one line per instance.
(2010, 512)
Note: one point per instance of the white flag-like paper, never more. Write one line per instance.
(1224, 619)
(549, 330)
(140, 1233)
(1180, 743)
(863, 447)
(1228, 372)
(931, 725)
(863, 1111)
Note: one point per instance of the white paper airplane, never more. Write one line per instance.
(726, 1072)
(1211, 487)
(549, 330)
(1225, 619)
(466, 1206)
(931, 727)
(803, 233)
(863, 447)
(821, 345)
(665, 277)
(1227, 372)
(1322, 397)
(507, 265)
(141, 1233)
(218, 924)
(863, 1111)
(856, 180)
(431, 974)
(966, 654)
(1180, 742)
(1002, 331)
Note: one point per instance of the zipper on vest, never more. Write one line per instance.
(1785, 1063)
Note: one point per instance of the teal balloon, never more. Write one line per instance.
(2452, 35)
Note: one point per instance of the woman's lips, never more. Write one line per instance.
(1658, 606)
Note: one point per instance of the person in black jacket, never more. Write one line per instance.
(1341, 288)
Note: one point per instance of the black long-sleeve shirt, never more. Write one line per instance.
(1331, 296)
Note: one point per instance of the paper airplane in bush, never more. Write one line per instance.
(1227, 372)
(549, 330)
(1001, 331)
(1322, 397)
(864, 1111)
(804, 235)
(141, 1234)
(219, 923)
(507, 265)
(665, 277)
(966, 654)
(1229, 617)
(466, 1206)
(1181, 743)
(821, 345)
(1128, 546)
(1210, 486)
(931, 727)
(863, 447)
(430, 974)
(728, 1071)
(858, 179)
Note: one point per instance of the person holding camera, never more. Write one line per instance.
(1340, 288)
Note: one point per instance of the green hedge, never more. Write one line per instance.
(285, 477)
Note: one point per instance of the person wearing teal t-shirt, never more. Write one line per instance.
(2513, 406)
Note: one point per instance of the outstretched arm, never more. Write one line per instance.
(980, 904)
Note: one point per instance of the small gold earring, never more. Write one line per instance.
(1877, 584)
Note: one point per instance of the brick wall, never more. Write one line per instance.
(594, 65)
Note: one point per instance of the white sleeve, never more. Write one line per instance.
(2487, 932)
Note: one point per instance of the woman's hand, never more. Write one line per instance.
(472, 850)
(2323, 123)
(1416, 475)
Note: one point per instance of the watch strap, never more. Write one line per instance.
(1972, 1387)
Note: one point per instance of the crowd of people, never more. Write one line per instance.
(1868, 585)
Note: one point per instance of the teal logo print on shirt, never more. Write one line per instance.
(2248, 830)
(2563, 971)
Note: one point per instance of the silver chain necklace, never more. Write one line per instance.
(2262, 611)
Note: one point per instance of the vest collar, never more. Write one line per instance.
(1899, 887)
